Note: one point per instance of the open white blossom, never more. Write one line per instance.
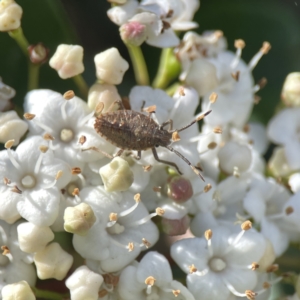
(33, 178)
(11, 127)
(67, 60)
(10, 15)
(219, 264)
(151, 278)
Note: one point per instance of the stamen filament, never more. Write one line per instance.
(13, 160)
(38, 164)
(129, 210)
(43, 126)
(86, 118)
(63, 111)
(143, 220)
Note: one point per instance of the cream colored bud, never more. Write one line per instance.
(79, 219)
(67, 60)
(19, 290)
(202, 76)
(117, 175)
(290, 94)
(278, 164)
(11, 127)
(103, 93)
(10, 15)
(33, 238)
(53, 262)
(110, 66)
(268, 257)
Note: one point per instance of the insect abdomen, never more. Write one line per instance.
(128, 129)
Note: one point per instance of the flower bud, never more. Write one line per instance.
(234, 155)
(6, 93)
(179, 189)
(268, 257)
(175, 227)
(53, 262)
(105, 93)
(278, 164)
(133, 33)
(67, 60)
(38, 54)
(11, 127)
(33, 238)
(290, 93)
(19, 290)
(117, 175)
(110, 66)
(84, 284)
(202, 76)
(79, 219)
(10, 15)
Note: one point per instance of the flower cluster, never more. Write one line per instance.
(119, 180)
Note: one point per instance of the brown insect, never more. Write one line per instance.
(132, 130)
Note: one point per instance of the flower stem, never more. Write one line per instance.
(48, 295)
(33, 69)
(82, 85)
(139, 64)
(168, 69)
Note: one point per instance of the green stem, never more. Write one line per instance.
(82, 85)
(48, 294)
(168, 69)
(139, 64)
(173, 88)
(33, 69)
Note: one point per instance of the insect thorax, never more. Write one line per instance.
(131, 130)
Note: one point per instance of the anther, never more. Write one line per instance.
(246, 225)
(157, 189)
(263, 50)
(137, 197)
(69, 95)
(150, 280)
(75, 192)
(239, 44)
(82, 140)
(236, 172)
(5, 250)
(175, 136)
(29, 116)
(130, 247)
(207, 188)
(43, 148)
(6, 181)
(113, 217)
(48, 137)
(181, 91)
(208, 234)
(147, 168)
(150, 109)
(159, 211)
(250, 294)
(146, 243)
(254, 266)
(192, 269)
(266, 285)
(15, 189)
(236, 75)
(9, 144)
(58, 174)
(212, 145)
(76, 171)
(273, 268)
(176, 293)
(218, 130)
(289, 210)
(266, 47)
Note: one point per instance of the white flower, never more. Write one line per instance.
(10, 15)
(220, 265)
(110, 66)
(283, 129)
(52, 262)
(266, 202)
(151, 279)
(67, 60)
(6, 93)
(11, 127)
(84, 284)
(120, 221)
(294, 182)
(33, 180)
(66, 121)
(179, 13)
(19, 290)
(33, 238)
(16, 265)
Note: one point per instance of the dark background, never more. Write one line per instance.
(85, 22)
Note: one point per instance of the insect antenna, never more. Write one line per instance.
(194, 168)
(193, 122)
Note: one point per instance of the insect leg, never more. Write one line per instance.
(119, 153)
(118, 102)
(194, 168)
(137, 157)
(165, 161)
(98, 150)
(169, 122)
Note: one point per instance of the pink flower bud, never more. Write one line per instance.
(179, 189)
(133, 33)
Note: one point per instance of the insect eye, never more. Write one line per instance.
(156, 146)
